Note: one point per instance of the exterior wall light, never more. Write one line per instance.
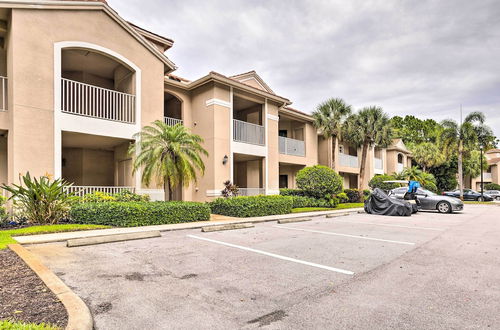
(224, 160)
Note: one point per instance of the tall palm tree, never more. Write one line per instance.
(170, 155)
(461, 138)
(370, 127)
(329, 117)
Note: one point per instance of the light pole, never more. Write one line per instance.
(482, 185)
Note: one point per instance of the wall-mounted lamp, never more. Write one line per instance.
(224, 160)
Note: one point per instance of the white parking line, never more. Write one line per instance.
(345, 235)
(388, 225)
(333, 269)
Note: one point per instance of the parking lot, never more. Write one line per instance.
(358, 271)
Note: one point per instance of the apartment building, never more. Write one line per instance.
(491, 175)
(77, 82)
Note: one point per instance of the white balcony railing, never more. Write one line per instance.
(91, 101)
(172, 121)
(379, 165)
(3, 93)
(83, 190)
(399, 167)
(251, 191)
(348, 160)
(248, 132)
(486, 177)
(292, 147)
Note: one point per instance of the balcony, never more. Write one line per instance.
(248, 133)
(172, 121)
(292, 147)
(3, 93)
(83, 190)
(399, 167)
(348, 160)
(486, 177)
(91, 101)
(251, 191)
(379, 165)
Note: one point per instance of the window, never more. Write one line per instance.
(341, 149)
(283, 133)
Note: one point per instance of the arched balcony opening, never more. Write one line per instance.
(172, 109)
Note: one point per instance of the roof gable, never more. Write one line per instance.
(251, 78)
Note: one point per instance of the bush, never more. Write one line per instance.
(252, 206)
(292, 192)
(342, 197)
(305, 201)
(42, 200)
(492, 186)
(123, 196)
(378, 182)
(318, 181)
(352, 195)
(129, 214)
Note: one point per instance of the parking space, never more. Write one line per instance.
(251, 277)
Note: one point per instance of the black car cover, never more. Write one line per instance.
(381, 204)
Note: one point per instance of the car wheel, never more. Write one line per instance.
(444, 207)
(480, 199)
(497, 198)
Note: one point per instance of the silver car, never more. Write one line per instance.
(493, 193)
(431, 201)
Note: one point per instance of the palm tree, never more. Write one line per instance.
(370, 127)
(329, 117)
(427, 154)
(461, 137)
(170, 155)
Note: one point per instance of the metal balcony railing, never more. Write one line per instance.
(379, 165)
(248, 132)
(83, 190)
(292, 147)
(251, 191)
(172, 121)
(91, 101)
(348, 161)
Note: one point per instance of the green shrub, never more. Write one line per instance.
(366, 193)
(252, 206)
(352, 195)
(8, 325)
(42, 200)
(129, 214)
(378, 182)
(123, 196)
(306, 201)
(318, 181)
(292, 192)
(342, 197)
(492, 186)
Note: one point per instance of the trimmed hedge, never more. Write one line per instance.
(318, 181)
(492, 186)
(305, 201)
(292, 192)
(378, 182)
(130, 214)
(252, 206)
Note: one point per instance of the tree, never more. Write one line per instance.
(462, 138)
(413, 173)
(472, 164)
(319, 181)
(427, 154)
(445, 174)
(378, 182)
(170, 155)
(329, 117)
(413, 130)
(370, 127)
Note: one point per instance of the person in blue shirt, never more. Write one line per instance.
(411, 194)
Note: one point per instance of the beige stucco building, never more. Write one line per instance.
(77, 82)
(491, 175)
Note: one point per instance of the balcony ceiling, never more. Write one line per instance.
(87, 141)
(90, 62)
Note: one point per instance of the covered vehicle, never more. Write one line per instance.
(380, 203)
(431, 201)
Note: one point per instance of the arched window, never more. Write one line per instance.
(400, 158)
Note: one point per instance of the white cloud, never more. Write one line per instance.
(411, 57)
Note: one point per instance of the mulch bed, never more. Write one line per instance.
(24, 297)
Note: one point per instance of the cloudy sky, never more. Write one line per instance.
(411, 57)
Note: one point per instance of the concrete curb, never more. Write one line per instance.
(79, 317)
(61, 237)
(229, 226)
(292, 220)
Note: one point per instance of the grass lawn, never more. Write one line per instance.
(341, 206)
(6, 235)
(476, 202)
(6, 325)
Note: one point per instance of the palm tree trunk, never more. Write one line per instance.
(362, 167)
(334, 145)
(166, 190)
(170, 193)
(460, 170)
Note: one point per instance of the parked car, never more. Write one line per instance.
(469, 195)
(431, 201)
(493, 193)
